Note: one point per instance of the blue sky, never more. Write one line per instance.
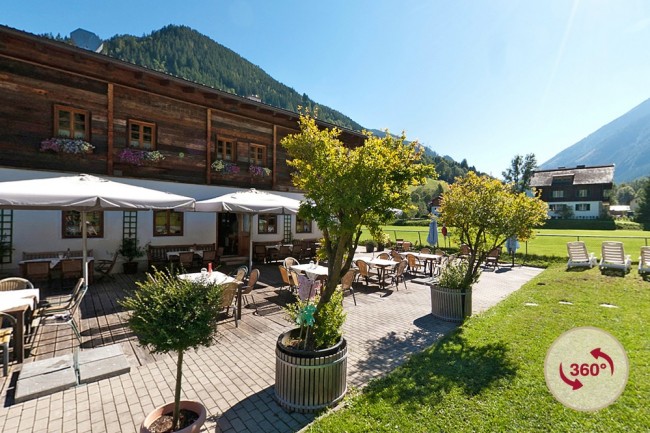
(477, 79)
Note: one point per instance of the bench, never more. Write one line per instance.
(157, 254)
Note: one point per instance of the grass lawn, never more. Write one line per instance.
(488, 375)
(547, 242)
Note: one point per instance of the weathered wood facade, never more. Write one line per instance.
(38, 75)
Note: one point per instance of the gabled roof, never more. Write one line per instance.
(580, 175)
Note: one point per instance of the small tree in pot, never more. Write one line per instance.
(130, 249)
(170, 314)
(347, 188)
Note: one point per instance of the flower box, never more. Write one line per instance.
(140, 157)
(66, 145)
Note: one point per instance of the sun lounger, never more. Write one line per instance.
(578, 255)
(644, 260)
(614, 257)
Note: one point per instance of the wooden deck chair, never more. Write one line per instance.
(71, 269)
(286, 279)
(644, 260)
(15, 283)
(38, 271)
(104, 267)
(578, 255)
(614, 257)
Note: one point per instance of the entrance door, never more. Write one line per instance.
(244, 236)
(227, 229)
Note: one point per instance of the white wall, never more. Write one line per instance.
(41, 230)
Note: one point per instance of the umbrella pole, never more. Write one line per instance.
(84, 236)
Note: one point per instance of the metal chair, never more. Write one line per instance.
(289, 262)
(240, 274)
(64, 314)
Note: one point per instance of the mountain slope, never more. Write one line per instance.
(624, 142)
(186, 53)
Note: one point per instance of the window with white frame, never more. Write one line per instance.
(267, 223)
(558, 193)
(583, 207)
(583, 193)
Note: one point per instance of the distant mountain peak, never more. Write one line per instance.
(624, 142)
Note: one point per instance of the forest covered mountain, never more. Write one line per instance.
(624, 142)
(183, 52)
(186, 53)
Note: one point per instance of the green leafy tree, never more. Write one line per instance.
(643, 212)
(625, 194)
(170, 314)
(485, 212)
(520, 172)
(347, 188)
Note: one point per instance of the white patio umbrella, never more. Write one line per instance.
(250, 201)
(86, 193)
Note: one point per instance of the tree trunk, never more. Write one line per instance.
(177, 393)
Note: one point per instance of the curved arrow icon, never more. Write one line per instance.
(575, 384)
(597, 353)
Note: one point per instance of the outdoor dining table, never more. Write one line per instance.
(218, 278)
(428, 259)
(311, 270)
(382, 265)
(18, 303)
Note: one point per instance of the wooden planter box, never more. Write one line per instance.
(450, 304)
(309, 381)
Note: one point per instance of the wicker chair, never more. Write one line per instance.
(15, 283)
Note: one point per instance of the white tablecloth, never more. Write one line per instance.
(311, 270)
(178, 253)
(215, 277)
(11, 299)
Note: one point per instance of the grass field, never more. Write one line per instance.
(547, 242)
(488, 376)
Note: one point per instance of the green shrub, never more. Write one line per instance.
(327, 330)
(599, 224)
(453, 275)
(625, 224)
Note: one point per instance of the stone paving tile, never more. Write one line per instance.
(234, 378)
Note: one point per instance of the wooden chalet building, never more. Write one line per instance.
(578, 193)
(146, 128)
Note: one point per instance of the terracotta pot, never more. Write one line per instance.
(193, 406)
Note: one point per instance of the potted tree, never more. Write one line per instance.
(345, 189)
(130, 249)
(451, 295)
(484, 213)
(370, 245)
(159, 314)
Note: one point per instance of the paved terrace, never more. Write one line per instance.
(234, 378)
